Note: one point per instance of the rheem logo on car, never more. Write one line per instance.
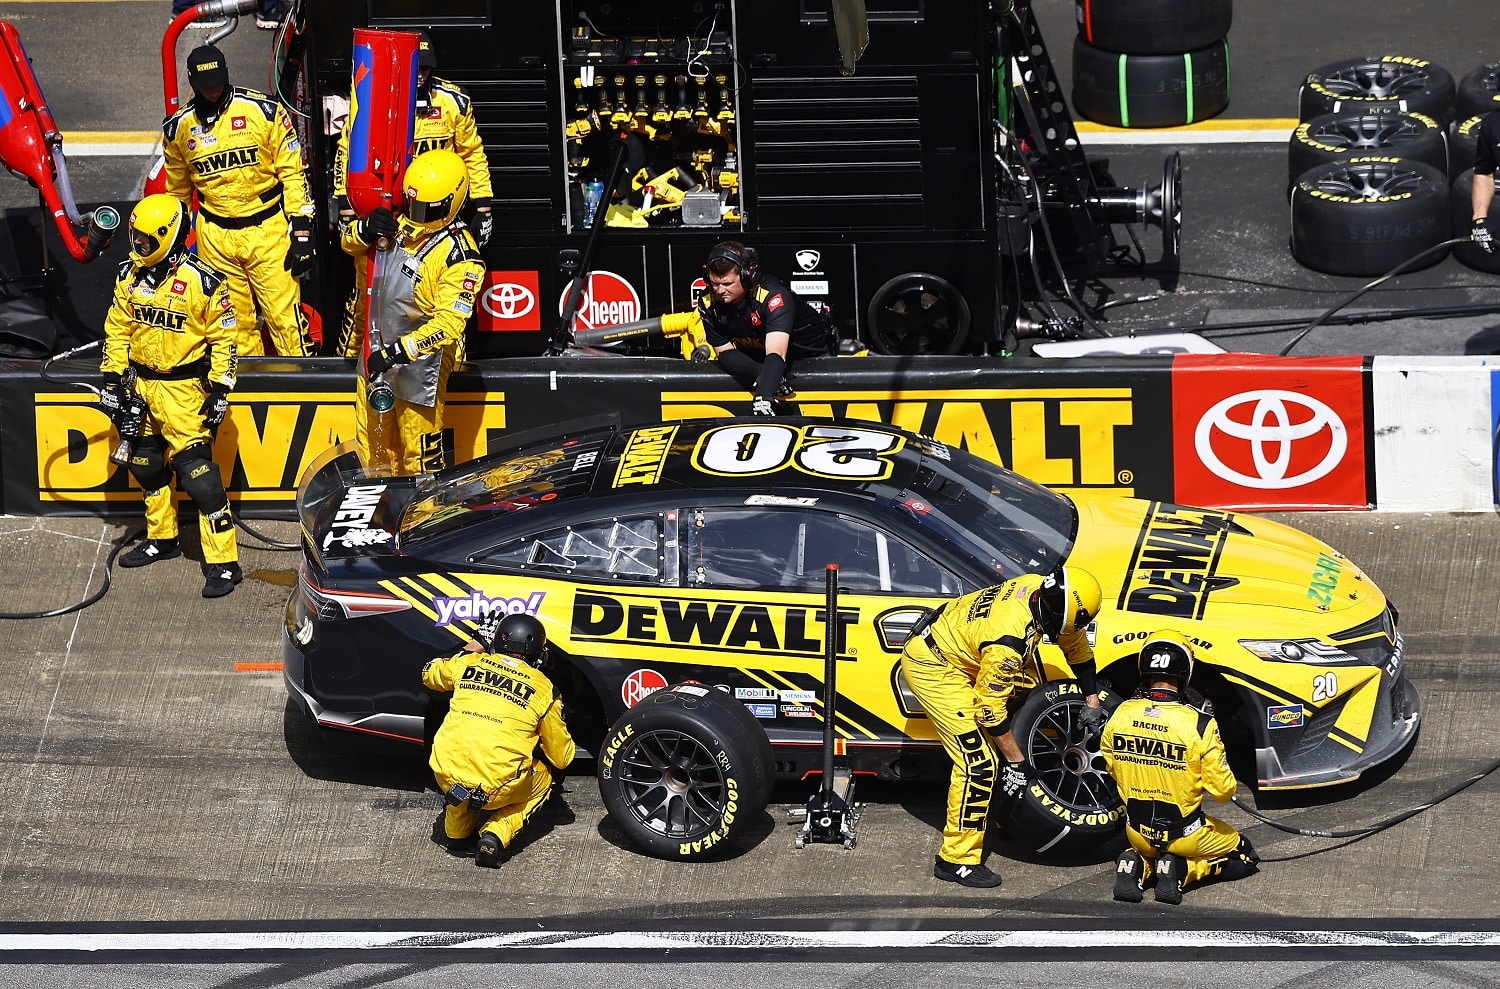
(640, 684)
(509, 302)
(608, 300)
(1261, 432)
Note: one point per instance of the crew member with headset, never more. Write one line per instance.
(171, 322)
(756, 325)
(425, 287)
(1164, 754)
(236, 148)
(501, 739)
(444, 119)
(970, 663)
(1486, 153)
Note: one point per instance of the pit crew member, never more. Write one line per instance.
(236, 149)
(1165, 754)
(756, 325)
(172, 323)
(970, 664)
(424, 291)
(1483, 194)
(484, 757)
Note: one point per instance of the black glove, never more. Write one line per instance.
(112, 395)
(484, 222)
(299, 256)
(381, 223)
(1481, 235)
(762, 407)
(1093, 718)
(1016, 778)
(385, 358)
(215, 406)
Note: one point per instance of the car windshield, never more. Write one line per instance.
(990, 514)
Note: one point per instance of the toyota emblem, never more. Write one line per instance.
(1277, 421)
(507, 300)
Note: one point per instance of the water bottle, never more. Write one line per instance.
(592, 192)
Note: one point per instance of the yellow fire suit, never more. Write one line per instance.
(1164, 756)
(501, 708)
(246, 166)
(174, 324)
(973, 664)
(444, 121)
(438, 274)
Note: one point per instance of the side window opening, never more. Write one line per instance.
(618, 548)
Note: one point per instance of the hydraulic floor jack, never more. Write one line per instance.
(831, 815)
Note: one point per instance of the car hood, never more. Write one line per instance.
(1155, 558)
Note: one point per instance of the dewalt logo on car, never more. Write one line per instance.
(644, 456)
(1174, 560)
(724, 627)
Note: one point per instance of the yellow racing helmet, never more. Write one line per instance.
(1166, 653)
(437, 183)
(158, 228)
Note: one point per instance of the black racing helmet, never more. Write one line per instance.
(1166, 655)
(522, 636)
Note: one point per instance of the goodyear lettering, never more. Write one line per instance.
(157, 316)
(223, 161)
(1077, 818)
(476, 677)
(1172, 563)
(644, 456)
(1325, 578)
(1151, 748)
(726, 822)
(721, 625)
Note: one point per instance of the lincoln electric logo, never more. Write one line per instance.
(1270, 424)
(476, 606)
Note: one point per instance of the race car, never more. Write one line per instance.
(681, 572)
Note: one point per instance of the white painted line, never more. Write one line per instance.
(110, 150)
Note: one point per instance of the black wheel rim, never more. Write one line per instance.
(918, 314)
(1378, 80)
(1067, 760)
(1369, 132)
(673, 784)
(1370, 180)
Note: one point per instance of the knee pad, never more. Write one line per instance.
(198, 475)
(148, 464)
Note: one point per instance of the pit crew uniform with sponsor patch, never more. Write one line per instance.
(246, 165)
(444, 119)
(972, 665)
(177, 334)
(1164, 756)
(424, 297)
(768, 307)
(502, 707)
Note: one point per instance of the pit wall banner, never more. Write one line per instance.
(1221, 431)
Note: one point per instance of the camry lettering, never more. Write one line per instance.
(1178, 552)
(727, 626)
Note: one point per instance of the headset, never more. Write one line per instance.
(748, 262)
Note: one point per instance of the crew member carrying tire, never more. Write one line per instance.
(1165, 754)
(484, 757)
(1483, 192)
(969, 663)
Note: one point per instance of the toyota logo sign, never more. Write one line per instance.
(1269, 424)
(508, 300)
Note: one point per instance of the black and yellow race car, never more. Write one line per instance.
(680, 570)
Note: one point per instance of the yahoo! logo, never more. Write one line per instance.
(477, 606)
(1277, 421)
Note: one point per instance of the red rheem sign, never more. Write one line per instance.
(608, 300)
(639, 684)
(1255, 431)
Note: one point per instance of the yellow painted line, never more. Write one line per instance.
(1264, 130)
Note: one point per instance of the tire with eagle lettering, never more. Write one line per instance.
(1073, 804)
(1388, 84)
(685, 772)
(1368, 214)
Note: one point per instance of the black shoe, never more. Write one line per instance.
(1171, 870)
(489, 852)
(1129, 868)
(966, 875)
(150, 551)
(462, 848)
(220, 578)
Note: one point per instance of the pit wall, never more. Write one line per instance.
(1222, 430)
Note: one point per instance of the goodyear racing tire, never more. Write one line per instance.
(1073, 805)
(1368, 215)
(685, 771)
(1150, 90)
(918, 313)
(1388, 84)
(1479, 91)
(1337, 136)
(1153, 27)
(1463, 146)
(1461, 211)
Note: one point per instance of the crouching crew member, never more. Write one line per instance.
(485, 755)
(172, 324)
(970, 664)
(1165, 754)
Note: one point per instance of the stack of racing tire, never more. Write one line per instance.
(1368, 166)
(1478, 94)
(1151, 63)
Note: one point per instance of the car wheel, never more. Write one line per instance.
(685, 771)
(1389, 84)
(1073, 805)
(1461, 214)
(1338, 136)
(917, 313)
(1479, 91)
(1150, 90)
(1367, 215)
(1153, 27)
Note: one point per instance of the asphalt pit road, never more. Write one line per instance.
(281, 578)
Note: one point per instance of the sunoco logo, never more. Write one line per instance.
(507, 300)
(1277, 422)
(608, 300)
